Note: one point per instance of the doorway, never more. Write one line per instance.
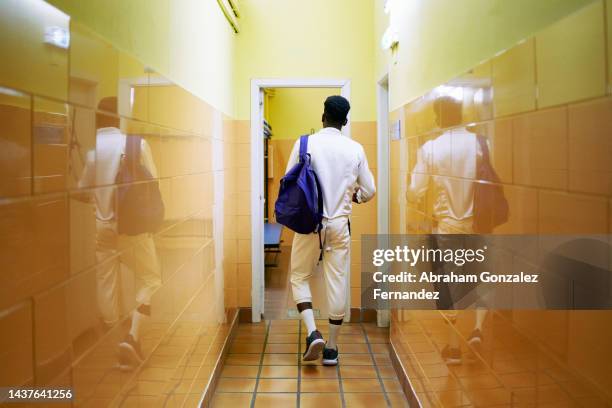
(262, 185)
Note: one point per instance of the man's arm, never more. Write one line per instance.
(365, 181)
(420, 173)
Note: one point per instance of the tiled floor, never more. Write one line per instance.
(264, 369)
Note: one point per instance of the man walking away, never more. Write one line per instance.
(344, 176)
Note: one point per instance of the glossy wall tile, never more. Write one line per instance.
(543, 110)
(113, 193)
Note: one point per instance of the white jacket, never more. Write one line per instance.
(342, 169)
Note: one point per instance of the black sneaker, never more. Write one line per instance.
(130, 355)
(330, 356)
(314, 346)
(475, 338)
(451, 355)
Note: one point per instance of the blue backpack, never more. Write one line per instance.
(299, 205)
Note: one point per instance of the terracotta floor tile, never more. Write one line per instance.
(282, 348)
(278, 400)
(361, 385)
(378, 338)
(320, 401)
(382, 359)
(357, 372)
(280, 359)
(364, 400)
(320, 385)
(398, 400)
(351, 338)
(279, 372)
(392, 385)
(380, 348)
(246, 348)
(240, 371)
(224, 400)
(236, 385)
(277, 385)
(251, 329)
(283, 338)
(354, 348)
(319, 371)
(387, 372)
(243, 359)
(249, 338)
(355, 359)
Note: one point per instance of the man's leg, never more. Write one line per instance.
(143, 261)
(335, 266)
(304, 257)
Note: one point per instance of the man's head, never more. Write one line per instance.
(336, 112)
(449, 111)
(108, 104)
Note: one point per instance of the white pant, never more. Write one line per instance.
(305, 255)
(139, 254)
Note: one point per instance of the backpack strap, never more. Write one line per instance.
(303, 147)
(132, 148)
(484, 148)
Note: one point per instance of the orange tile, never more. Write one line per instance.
(320, 400)
(222, 400)
(312, 371)
(398, 400)
(357, 372)
(283, 338)
(356, 359)
(279, 372)
(16, 143)
(240, 371)
(590, 148)
(361, 385)
(246, 348)
(280, 359)
(243, 359)
(282, 348)
(236, 385)
(269, 400)
(319, 385)
(50, 136)
(571, 214)
(17, 360)
(541, 149)
(277, 385)
(365, 400)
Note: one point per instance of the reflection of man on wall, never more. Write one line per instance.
(455, 152)
(137, 252)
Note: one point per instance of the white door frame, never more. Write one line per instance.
(384, 176)
(257, 177)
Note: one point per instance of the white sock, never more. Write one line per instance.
(334, 330)
(480, 316)
(309, 320)
(137, 321)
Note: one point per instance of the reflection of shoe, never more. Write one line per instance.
(475, 338)
(330, 356)
(130, 355)
(314, 346)
(451, 355)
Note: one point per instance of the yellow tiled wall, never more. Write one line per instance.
(546, 109)
(54, 285)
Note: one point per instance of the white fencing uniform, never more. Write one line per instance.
(342, 169)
